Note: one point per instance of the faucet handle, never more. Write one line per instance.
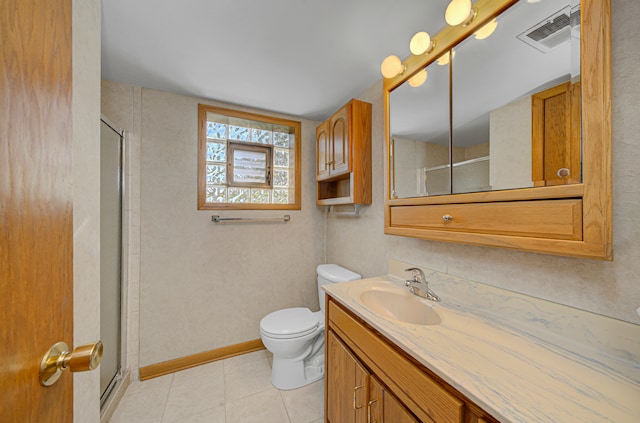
(418, 275)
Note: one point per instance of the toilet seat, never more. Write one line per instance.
(289, 323)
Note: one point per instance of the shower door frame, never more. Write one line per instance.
(110, 388)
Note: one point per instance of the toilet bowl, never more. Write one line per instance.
(295, 336)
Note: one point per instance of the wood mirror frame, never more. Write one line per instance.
(568, 220)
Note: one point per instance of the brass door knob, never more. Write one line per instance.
(58, 358)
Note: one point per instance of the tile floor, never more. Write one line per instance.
(235, 390)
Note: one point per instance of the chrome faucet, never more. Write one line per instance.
(419, 277)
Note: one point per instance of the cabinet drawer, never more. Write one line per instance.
(417, 390)
(553, 219)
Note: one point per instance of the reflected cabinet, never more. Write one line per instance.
(507, 143)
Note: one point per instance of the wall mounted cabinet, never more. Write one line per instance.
(565, 206)
(343, 156)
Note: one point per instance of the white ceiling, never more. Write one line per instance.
(299, 57)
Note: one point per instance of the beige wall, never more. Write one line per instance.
(86, 199)
(203, 285)
(609, 288)
(510, 133)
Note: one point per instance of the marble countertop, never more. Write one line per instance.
(520, 358)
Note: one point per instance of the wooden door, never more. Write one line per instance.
(556, 135)
(322, 151)
(347, 382)
(36, 233)
(340, 142)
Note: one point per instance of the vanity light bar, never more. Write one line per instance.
(459, 12)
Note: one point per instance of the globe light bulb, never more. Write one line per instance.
(391, 66)
(457, 12)
(420, 43)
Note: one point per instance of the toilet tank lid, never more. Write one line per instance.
(335, 273)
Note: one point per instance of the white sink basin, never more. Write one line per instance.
(397, 303)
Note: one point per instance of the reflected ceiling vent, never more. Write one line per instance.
(554, 30)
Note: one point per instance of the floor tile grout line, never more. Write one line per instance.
(166, 399)
(284, 404)
(224, 389)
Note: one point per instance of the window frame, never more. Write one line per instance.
(266, 149)
(203, 109)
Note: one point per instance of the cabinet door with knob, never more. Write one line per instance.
(340, 158)
(333, 145)
(348, 385)
(322, 151)
(556, 135)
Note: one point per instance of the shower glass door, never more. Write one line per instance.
(111, 182)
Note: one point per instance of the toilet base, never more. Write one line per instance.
(287, 374)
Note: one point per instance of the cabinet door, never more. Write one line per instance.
(384, 407)
(556, 135)
(340, 142)
(347, 382)
(322, 151)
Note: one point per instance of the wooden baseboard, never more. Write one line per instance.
(177, 364)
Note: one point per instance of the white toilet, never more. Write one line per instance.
(295, 336)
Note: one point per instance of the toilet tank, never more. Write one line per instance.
(332, 273)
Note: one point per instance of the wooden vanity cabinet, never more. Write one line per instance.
(343, 156)
(354, 394)
(369, 379)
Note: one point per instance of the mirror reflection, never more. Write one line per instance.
(420, 135)
(515, 101)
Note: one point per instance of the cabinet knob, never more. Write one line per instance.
(447, 218)
(563, 172)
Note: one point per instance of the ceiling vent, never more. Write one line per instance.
(554, 30)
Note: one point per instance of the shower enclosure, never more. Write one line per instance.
(111, 194)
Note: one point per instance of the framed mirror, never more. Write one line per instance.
(527, 132)
(517, 77)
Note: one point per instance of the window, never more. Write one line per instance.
(247, 161)
(249, 165)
